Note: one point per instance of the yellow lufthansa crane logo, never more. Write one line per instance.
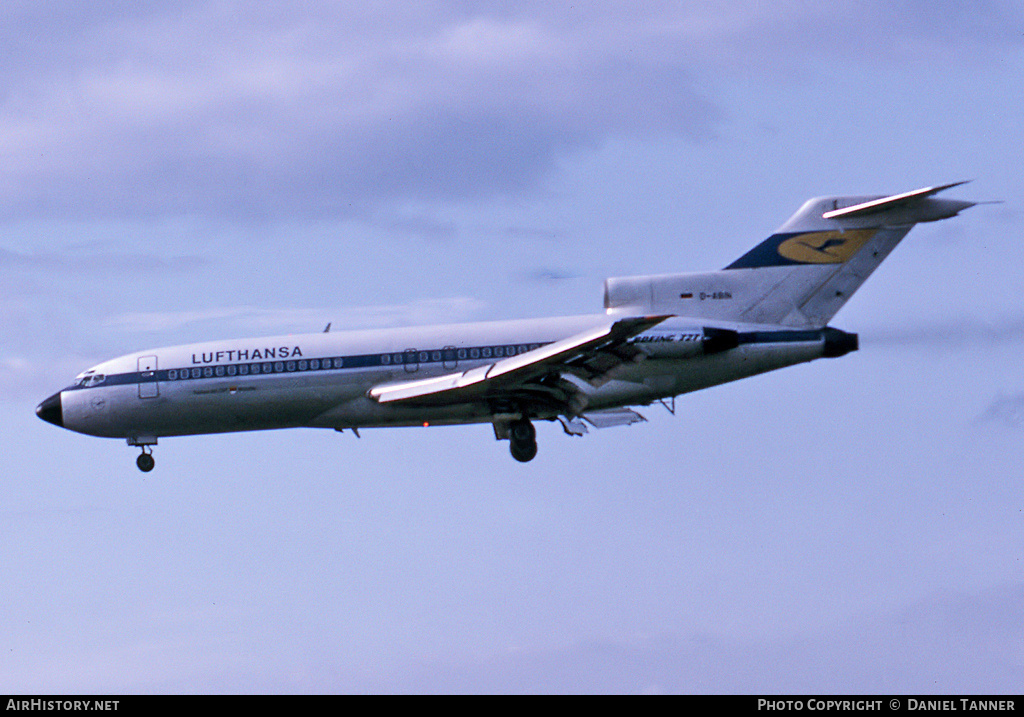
(825, 247)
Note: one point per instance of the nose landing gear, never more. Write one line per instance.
(522, 438)
(145, 461)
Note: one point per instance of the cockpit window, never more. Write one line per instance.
(88, 379)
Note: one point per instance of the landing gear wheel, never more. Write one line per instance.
(145, 462)
(524, 453)
(523, 441)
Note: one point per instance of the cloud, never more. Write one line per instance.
(319, 110)
(80, 262)
(250, 318)
(1005, 411)
(313, 110)
(947, 643)
(967, 332)
(550, 275)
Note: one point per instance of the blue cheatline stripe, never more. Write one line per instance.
(398, 359)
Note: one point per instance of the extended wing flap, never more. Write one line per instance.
(590, 349)
(613, 417)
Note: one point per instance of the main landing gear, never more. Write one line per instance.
(522, 438)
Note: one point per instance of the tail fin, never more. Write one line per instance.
(802, 274)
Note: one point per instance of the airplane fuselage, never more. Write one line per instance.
(322, 379)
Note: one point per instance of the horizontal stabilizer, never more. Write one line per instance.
(886, 203)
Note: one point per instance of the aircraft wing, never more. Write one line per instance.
(533, 376)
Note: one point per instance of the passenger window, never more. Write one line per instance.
(219, 370)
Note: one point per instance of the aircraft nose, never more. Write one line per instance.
(50, 410)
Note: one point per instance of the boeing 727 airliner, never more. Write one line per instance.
(659, 337)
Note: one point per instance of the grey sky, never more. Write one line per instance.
(172, 172)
